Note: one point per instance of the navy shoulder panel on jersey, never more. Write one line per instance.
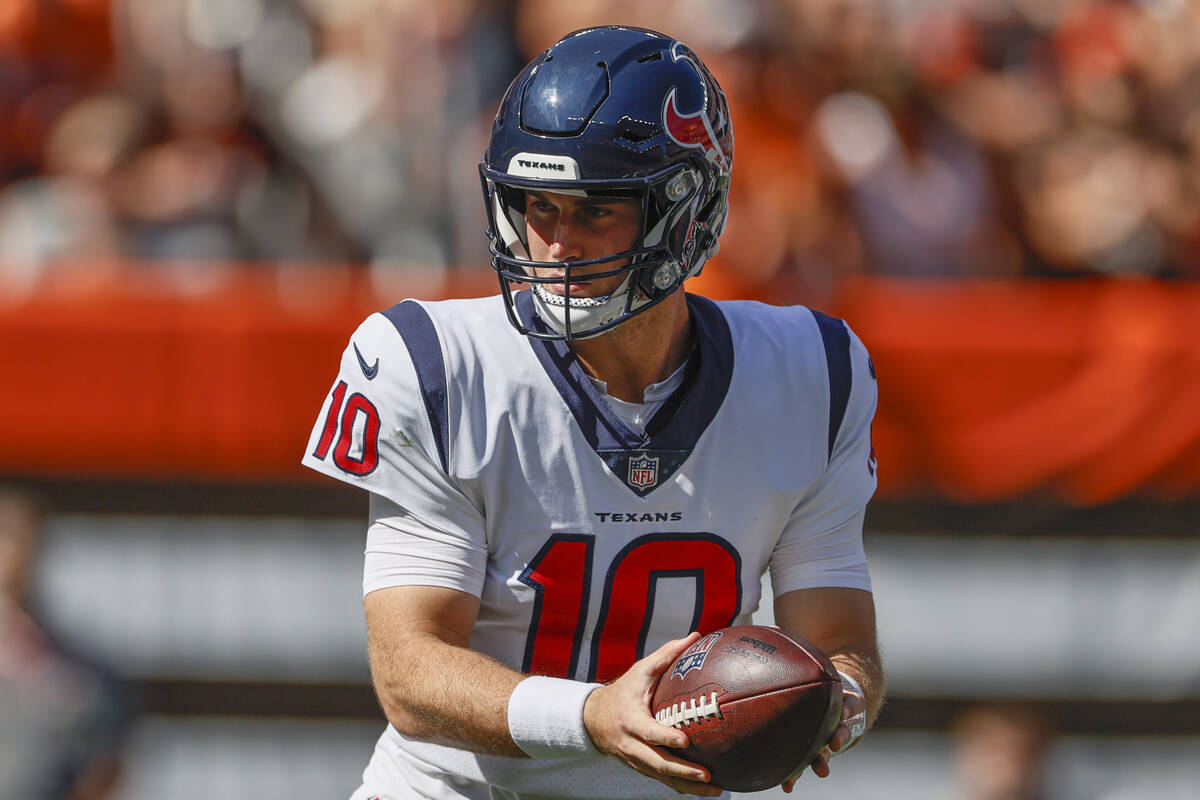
(420, 336)
(836, 339)
(689, 412)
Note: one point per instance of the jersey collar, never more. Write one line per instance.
(674, 430)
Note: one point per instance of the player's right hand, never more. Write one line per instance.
(853, 705)
(617, 717)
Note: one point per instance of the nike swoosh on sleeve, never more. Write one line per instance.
(369, 372)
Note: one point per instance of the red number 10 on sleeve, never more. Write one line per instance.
(356, 407)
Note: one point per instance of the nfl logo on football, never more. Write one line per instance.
(643, 471)
(693, 657)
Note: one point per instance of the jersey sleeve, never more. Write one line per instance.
(383, 428)
(405, 551)
(822, 542)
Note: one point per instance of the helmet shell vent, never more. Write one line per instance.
(563, 95)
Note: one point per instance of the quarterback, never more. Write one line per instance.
(572, 480)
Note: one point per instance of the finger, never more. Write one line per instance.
(852, 703)
(790, 780)
(645, 727)
(853, 723)
(680, 775)
(661, 658)
(820, 764)
(683, 785)
(699, 789)
(656, 733)
(681, 767)
(839, 739)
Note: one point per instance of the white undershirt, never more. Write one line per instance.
(636, 415)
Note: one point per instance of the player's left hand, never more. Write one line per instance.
(854, 705)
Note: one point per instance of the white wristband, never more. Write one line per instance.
(545, 717)
(857, 723)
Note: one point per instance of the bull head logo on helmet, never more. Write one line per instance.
(692, 129)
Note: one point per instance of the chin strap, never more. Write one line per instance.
(586, 313)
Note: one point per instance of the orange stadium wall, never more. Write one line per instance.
(1085, 391)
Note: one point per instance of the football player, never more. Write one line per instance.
(569, 480)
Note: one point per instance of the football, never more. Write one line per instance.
(755, 702)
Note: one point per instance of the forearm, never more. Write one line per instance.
(842, 623)
(430, 684)
(440, 692)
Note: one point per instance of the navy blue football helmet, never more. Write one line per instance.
(610, 111)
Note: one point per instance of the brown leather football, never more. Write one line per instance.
(755, 702)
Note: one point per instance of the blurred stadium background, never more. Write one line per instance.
(201, 198)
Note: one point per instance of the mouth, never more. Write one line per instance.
(573, 289)
(558, 286)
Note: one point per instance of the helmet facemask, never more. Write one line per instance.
(670, 246)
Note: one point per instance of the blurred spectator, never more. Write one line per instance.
(920, 191)
(955, 139)
(999, 753)
(63, 720)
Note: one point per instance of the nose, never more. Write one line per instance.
(565, 244)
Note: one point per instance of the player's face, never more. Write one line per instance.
(564, 228)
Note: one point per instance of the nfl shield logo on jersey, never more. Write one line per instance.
(643, 471)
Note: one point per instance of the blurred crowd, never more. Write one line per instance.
(902, 137)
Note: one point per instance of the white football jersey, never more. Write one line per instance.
(507, 475)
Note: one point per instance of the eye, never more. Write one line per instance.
(598, 212)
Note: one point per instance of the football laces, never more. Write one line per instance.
(689, 711)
